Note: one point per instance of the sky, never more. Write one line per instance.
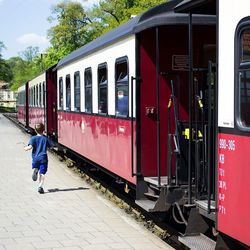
(24, 23)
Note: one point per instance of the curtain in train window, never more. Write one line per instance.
(121, 87)
(245, 45)
(102, 89)
(68, 93)
(77, 91)
(88, 90)
(60, 94)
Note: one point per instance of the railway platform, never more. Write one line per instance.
(69, 215)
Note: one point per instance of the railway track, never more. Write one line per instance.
(114, 191)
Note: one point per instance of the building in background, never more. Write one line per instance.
(7, 97)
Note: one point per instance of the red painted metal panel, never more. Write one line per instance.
(233, 186)
(21, 114)
(105, 141)
(36, 115)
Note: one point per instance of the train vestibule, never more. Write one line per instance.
(175, 165)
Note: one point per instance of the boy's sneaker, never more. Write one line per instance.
(40, 190)
(34, 175)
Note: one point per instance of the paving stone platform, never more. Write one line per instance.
(70, 215)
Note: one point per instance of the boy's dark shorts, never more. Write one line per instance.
(42, 167)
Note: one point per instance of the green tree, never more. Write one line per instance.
(25, 67)
(71, 31)
(29, 53)
(112, 13)
(5, 70)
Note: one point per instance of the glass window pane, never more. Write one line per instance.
(36, 95)
(60, 104)
(40, 95)
(122, 88)
(44, 94)
(245, 98)
(102, 85)
(68, 93)
(77, 91)
(88, 90)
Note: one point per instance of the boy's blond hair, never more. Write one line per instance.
(39, 128)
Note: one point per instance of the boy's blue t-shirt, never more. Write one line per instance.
(39, 148)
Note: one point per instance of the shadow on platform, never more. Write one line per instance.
(53, 190)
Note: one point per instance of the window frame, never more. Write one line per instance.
(121, 60)
(60, 93)
(43, 94)
(40, 94)
(101, 85)
(67, 78)
(77, 109)
(37, 95)
(86, 87)
(240, 66)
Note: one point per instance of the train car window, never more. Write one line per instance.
(121, 87)
(43, 94)
(29, 97)
(68, 93)
(34, 96)
(77, 90)
(37, 95)
(88, 90)
(40, 94)
(243, 81)
(60, 94)
(102, 89)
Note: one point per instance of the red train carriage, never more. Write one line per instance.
(36, 100)
(94, 81)
(40, 98)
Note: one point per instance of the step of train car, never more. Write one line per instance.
(146, 204)
(203, 207)
(197, 242)
(152, 196)
(154, 180)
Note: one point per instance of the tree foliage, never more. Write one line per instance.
(112, 13)
(74, 28)
(5, 70)
(26, 66)
(71, 31)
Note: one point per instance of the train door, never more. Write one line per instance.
(51, 102)
(165, 114)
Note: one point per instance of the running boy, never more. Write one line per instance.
(39, 144)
